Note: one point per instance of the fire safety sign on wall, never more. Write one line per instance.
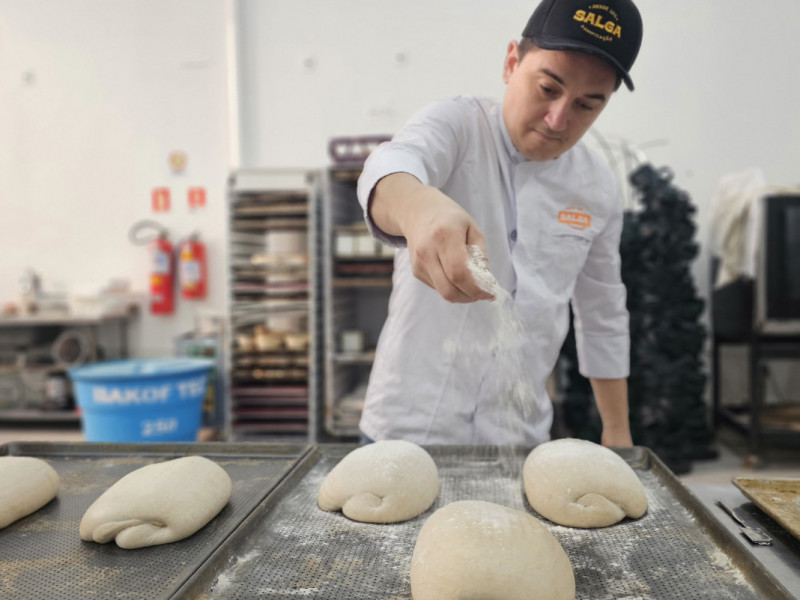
(160, 199)
(196, 197)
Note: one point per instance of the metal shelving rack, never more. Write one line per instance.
(30, 361)
(356, 282)
(273, 258)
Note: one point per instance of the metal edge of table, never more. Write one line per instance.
(749, 565)
(227, 449)
(201, 581)
(781, 558)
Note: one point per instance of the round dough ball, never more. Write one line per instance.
(28, 484)
(384, 482)
(475, 549)
(582, 484)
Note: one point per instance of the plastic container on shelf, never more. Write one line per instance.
(141, 400)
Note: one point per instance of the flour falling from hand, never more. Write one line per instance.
(510, 378)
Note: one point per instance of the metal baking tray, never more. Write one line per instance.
(289, 548)
(779, 498)
(42, 555)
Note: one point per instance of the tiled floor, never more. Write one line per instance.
(732, 463)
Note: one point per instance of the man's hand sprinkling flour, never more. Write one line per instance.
(436, 229)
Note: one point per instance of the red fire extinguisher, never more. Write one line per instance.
(192, 268)
(162, 276)
(162, 266)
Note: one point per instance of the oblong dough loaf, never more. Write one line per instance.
(581, 484)
(384, 482)
(26, 485)
(158, 504)
(475, 549)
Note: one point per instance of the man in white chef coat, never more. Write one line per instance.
(513, 178)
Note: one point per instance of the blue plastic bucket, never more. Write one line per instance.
(141, 400)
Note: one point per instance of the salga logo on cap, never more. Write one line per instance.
(599, 20)
(610, 30)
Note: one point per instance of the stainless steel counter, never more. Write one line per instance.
(781, 559)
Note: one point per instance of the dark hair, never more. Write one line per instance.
(526, 44)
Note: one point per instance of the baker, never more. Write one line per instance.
(513, 178)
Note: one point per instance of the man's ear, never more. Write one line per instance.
(511, 61)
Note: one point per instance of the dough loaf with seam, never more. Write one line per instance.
(159, 503)
(471, 549)
(384, 482)
(26, 485)
(581, 484)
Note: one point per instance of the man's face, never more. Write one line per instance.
(552, 97)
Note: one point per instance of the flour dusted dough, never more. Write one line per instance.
(384, 482)
(26, 485)
(581, 484)
(157, 504)
(471, 550)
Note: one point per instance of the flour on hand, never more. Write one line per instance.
(510, 375)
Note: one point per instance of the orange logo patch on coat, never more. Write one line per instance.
(575, 217)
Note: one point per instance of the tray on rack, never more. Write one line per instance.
(42, 555)
(290, 548)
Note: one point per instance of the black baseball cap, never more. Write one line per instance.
(611, 30)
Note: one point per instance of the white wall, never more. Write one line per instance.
(94, 95)
(716, 86)
(118, 84)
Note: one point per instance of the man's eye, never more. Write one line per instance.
(548, 91)
(584, 106)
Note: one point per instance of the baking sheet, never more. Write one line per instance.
(779, 498)
(289, 548)
(43, 557)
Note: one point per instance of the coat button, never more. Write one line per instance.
(513, 235)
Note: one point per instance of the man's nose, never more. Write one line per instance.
(557, 116)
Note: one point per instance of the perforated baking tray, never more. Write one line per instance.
(289, 548)
(42, 555)
(272, 541)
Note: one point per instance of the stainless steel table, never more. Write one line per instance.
(781, 559)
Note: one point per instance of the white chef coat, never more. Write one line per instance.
(552, 231)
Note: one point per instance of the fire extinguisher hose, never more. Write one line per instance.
(143, 232)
